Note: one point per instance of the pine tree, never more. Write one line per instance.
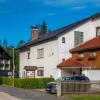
(21, 42)
(0, 43)
(43, 28)
(5, 43)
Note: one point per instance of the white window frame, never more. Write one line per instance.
(98, 31)
(94, 54)
(81, 55)
(40, 53)
(28, 55)
(63, 40)
(39, 70)
(78, 37)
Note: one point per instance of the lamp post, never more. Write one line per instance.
(13, 66)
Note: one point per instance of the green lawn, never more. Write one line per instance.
(82, 97)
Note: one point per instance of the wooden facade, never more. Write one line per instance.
(90, 58)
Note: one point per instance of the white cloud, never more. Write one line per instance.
(45, 14)
(56, 2)
(65, 2)
(50, 14)
(78, 7)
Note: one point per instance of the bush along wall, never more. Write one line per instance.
(28, 83)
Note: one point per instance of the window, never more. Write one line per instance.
(81, 55)
(78, 37)
(28, 54)
(94, 54)
(63, 40)
(40, 53)
(40, 71)
(98, 31)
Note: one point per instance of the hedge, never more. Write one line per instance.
(28, 83)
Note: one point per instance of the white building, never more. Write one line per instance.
(40, 56)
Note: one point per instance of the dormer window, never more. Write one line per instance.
(98, 31)
(63, 40)
(81, 55)
(94, 54)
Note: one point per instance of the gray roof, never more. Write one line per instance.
(58, 32)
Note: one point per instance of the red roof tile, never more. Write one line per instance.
(71, 62)
(91, 44)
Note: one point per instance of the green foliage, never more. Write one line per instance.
(6, 80)
(28, 83)
(9, 50)
(43, 28)
(17, 63)
(82, 97)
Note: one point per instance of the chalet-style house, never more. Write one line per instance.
(5, 69)
(41, 55)
(85, 60)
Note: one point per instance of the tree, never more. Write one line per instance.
(43, 28)
(21, 43)
(5, 43)
(0, 43)
(9, 50)
(49, 30)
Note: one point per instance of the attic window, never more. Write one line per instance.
(63, 40)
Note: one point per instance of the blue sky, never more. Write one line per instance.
(16, 16)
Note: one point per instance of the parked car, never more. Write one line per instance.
(74, 78)
(52, 86)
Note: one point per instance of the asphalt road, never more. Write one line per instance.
(9, 93)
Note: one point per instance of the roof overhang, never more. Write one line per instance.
(30, 68)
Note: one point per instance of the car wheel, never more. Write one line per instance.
(52, 91)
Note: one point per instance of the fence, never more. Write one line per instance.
(64, 87)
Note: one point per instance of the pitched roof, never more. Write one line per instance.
(70, 63)
(58, 32)
(7, 55)
(89, 45)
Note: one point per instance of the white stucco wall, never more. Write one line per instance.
(58, 49)
(23, 62)
(49, 62)
(92, 74)
(89, 30)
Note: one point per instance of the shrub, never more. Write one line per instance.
(28, 83)
(6, 80)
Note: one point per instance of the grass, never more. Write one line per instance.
(82, 97)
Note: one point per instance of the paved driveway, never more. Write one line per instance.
(9, 93)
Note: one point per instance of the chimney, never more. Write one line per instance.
(34, 32)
